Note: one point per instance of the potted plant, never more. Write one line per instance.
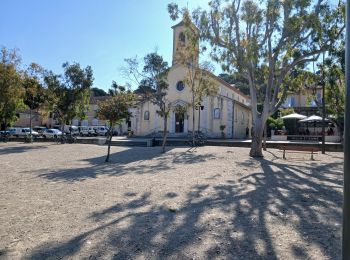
(272, 127)
(130, 133)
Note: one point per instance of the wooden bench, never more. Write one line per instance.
(299, 149)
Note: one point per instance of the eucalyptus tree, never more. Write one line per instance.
(152, 82)
(265, 42)
(69, 92)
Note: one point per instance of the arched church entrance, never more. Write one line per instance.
(179, 122)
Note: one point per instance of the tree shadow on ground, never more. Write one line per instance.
(4, 150)
(134, 160)
(254, 216)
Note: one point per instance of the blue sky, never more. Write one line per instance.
(100, 33)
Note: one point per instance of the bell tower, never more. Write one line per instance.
(184, 41)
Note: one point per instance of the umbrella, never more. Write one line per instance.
(313, 118)
(294, 116)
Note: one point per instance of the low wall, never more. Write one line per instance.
(332, 138)
(328, 138)
(278, 138)
(99, 141)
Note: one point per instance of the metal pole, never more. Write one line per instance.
(323, 108)
(199, 116)
(346, 194)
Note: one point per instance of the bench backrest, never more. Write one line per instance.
(300, 148)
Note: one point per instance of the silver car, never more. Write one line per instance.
(52, 133)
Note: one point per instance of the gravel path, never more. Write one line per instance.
(64, 202)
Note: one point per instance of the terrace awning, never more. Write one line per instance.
(313, 118)
(294, 116)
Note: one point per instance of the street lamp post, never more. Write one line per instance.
(322, 82)
(346, 193)
(199, 107)
(323, 108)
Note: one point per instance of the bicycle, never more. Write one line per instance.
(69, 139)
(199, 139)
(5, 137)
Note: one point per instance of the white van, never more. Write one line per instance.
(21, 132)
(101, 130)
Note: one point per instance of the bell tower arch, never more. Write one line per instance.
(185, 37)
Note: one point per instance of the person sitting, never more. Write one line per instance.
(330, 131)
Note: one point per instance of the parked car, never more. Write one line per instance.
(4, 133)
(68, 129)
(83, 131)
(74, 130)
(11, 131)
(101, 130)
(22, 132)
(52, 133)
(92, 131)
(39, 129)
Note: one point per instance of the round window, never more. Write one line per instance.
(180, 86)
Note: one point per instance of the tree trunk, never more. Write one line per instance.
(165, 133)
(265, 137)
(62, 130)
(30, 127)
(193, 128)
(199, 119)
(257, 136)
(109, 143)
(30, 123)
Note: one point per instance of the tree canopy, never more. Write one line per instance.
(266, 42)
(12, 93)
(152, 84)
(97, 92)
(115, 109)
(69, 92)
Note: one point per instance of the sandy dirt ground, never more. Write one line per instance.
(63, 202)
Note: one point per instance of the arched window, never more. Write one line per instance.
(180, 86)
(182, 38)
(216, 113)
(242, 118)
(146, 115)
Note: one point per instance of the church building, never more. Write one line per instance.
(227, 111)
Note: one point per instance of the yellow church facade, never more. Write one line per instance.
(228, 107)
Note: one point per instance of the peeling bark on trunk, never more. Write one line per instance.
(165, 133)
(257, 136)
